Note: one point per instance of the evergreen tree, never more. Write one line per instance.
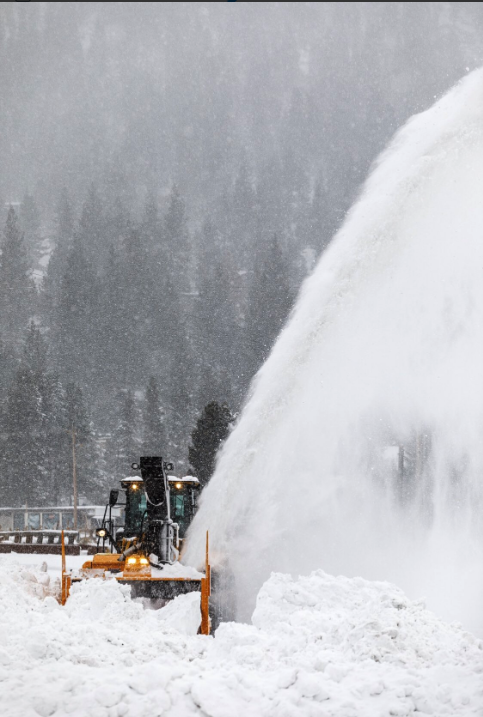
(80, 432)
(214, 335)
(34, 360)
(180, 404)
(77, 416)
(92, 233)
(77, 325)
(30, 222)
(176, 241)
(8, 366)
(320, 233)
(112, 318)
(64, 237)
(35, 352)
(36, 445)
(127, 443)
(211, 430)
(154, 437)
(16, 288)
(151, 229)
(22, 470)
(119, 225)
(126, 314)
(269, 304)
(56, 441)
(175, 220)
(138, 295)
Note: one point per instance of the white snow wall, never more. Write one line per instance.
(385, 344)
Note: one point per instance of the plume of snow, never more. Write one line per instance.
(384, 348)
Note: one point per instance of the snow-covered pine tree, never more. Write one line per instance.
(34, 361)
(214, 335)
(151, 228)
(22, 475)
(211, 430)
(269, 304)
(92, 227)
(27, 438)
(30, 223)
(17, 291)
(77, 331)
(137, 282)
(56, 441)
(180, 409)
(79, 428)
(76, 412)
(8, 366)
(64, 236)
(111, 321)
(35, 351)
(176, 240)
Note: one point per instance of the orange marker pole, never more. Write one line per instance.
(65, 580)
(205, 594)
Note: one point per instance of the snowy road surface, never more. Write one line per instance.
(319, 646)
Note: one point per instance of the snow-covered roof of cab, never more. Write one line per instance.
(132, 479)
(172, 479)
(184, 479)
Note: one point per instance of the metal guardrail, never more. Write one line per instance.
(39, 537)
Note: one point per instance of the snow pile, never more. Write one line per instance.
(319, 646)
(384, 349)
(177, 570)
(362, 620)
(24, 583)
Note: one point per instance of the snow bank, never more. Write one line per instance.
(318, 646)
(177, 570)
(363, 620)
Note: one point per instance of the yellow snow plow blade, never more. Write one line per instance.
(135, 571)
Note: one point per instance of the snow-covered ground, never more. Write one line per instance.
(318, 646)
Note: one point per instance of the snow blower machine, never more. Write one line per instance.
(144, 553)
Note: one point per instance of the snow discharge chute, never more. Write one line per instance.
(360, 447)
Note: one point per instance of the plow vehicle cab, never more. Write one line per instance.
(183, 494)
(144, 553)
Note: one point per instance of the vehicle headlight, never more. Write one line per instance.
(101, 532)
(144, 561)
(132, 561)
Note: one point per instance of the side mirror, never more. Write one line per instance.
(113, 496)
(169, 466)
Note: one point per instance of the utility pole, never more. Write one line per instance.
(74, 476)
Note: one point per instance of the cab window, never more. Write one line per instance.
(178, 507)
(135, 509)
